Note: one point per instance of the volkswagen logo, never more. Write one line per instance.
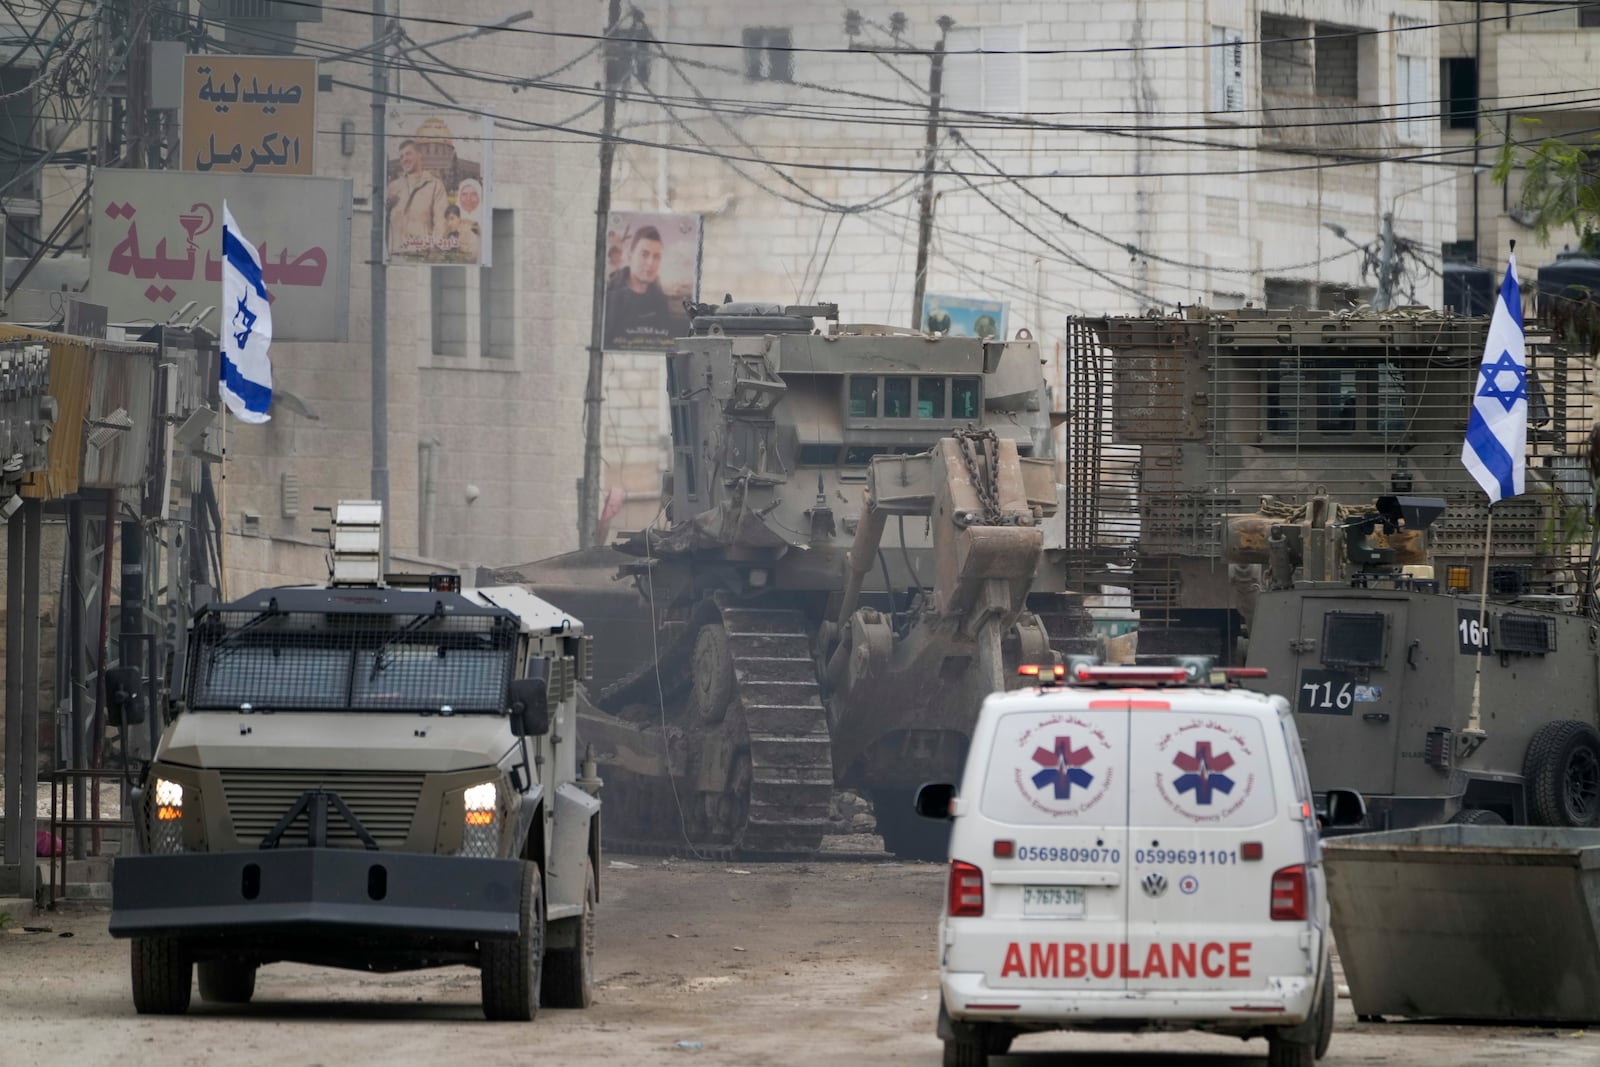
(1154, 884)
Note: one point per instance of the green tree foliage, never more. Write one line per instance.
(1560, 188)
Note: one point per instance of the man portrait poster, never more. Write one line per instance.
(438, 192)
(653, 266)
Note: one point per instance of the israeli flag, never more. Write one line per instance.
(1497, 427)
(246, 327)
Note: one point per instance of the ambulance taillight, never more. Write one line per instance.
(966, 890)
(1289, 893)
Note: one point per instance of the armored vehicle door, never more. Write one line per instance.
(1347, 690)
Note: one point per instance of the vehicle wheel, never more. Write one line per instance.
(569, 982)
(965, 1053)
(511, 968)
(1325, 1010)
(1562, 774)
(711, 675)
(1284, 1053)
(162, 976)
(227, 981)
(1477, 817)
(906, 834)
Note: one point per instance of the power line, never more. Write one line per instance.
(1343, 33)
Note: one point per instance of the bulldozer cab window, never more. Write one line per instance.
(930, 398)
(1345, 399)
(964, 398)
(1338, 397)
(863, 398)
(897, 398)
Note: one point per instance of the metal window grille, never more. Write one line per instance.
(1354, 639)
(1180, 422)
(304, 661)
(1527, 633)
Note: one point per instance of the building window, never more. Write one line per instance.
(1412, 98)
(1589, 15)
(1227, 69)
(1458, 77)
(766, 54)
(497, 288)
(1285, 55)
(449, 311)
(1338, 69)
(474, 313)
(984, 69)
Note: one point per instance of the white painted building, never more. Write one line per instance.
(1530, 63)
(1092, 158)
(486, 370)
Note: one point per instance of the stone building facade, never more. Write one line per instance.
(486, 370)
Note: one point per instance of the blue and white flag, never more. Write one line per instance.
(1497, 427)
(246, 327)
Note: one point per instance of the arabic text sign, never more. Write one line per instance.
(249, 114)
(157, 244)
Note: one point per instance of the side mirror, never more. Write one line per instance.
(530, 701)
(933, 800)
(1344, 807)
(124, 706)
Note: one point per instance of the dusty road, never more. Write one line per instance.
(826, 963)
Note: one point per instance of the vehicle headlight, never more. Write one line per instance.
(166, 830)
(480, 832)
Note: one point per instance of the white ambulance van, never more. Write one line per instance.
(1135, 848)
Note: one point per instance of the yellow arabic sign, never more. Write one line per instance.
(249, 114)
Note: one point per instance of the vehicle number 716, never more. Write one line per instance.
(1324, 695)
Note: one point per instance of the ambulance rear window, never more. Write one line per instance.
(1200, 769)
(1058, 768)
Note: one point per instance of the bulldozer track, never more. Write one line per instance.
(791, 757)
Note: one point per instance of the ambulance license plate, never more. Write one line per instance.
(1052, 901)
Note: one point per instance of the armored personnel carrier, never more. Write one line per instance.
(374, 775)
(803, 641)
(1286, 490)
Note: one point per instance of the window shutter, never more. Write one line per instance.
(1235, 61)
(1227, 69)
(1003, 69)
(1420, 99)
(962, 85)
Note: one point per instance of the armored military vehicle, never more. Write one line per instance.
(803, 641)
(1292, 496)
(380, 775)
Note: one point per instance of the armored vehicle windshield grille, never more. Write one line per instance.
(1353, 639)
(304, 661)
(1181, 423)
(384, 803)
(1527, 633)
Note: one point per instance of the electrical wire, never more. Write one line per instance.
(1342, 33)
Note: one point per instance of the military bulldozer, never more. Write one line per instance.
(800, 641)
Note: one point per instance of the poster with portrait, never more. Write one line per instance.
(440, 191)
(652, 267)
(961, 316)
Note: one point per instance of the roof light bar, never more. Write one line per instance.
(1126, 675)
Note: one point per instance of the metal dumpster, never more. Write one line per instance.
(1494, 923)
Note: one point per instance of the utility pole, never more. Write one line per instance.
(380, 280)
(925, 205)
(1386, 264)
(589, 489)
